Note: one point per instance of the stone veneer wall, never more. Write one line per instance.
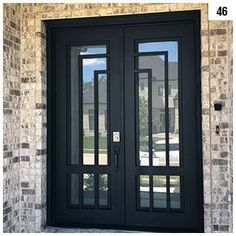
(11, 112)
(25, 172)
(220, 51)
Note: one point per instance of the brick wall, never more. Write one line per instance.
(29, 181)
(11, 112)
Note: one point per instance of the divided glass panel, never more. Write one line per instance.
(147, 59)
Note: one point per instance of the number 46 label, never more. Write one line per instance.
(222, 11)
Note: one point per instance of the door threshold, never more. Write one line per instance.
(51, 229)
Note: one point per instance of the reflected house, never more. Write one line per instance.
(157, 65)
(89, 65)
(88, 107)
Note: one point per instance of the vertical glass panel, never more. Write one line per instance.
(158, 96)
(88, 189)
(175, 192)
(173, 104)
(159, 191)
(174, 152)
(74, 122)
(74, 186)
(156, 64)
(89, 66)
(92, 49)
(144, 191)
(143, 119)
(103, 190)
(102, 127)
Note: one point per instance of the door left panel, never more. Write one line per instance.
(87, 187)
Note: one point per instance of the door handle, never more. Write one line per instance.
(116, 157)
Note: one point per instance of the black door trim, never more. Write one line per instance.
(119, 21)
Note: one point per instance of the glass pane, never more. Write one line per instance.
(74, 194)
(144, 190)
(143, 119)
(103, 190)
(175, 192)
(93, 49)
(169, 46)
(102, 128)
(156, 64)
(89, 66)
(159, 191)
(88, 189)
(173, 105)
(74, 145)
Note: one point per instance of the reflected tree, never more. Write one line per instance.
(143, 117)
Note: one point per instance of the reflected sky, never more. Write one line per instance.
(170, 46)
(89, 65)
(92, 64)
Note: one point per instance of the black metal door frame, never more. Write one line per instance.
(113, 22)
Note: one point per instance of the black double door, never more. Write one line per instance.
(124, 123)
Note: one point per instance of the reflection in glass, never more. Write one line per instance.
(144, 190)
(173, 110)
(93, 49)
(174, 152)
(169, 46)
(102, 129)
(175, 192)
(74, 181)
(159, 191)
(143, 119)
(103, 190)
(88, 189)
(89, 66)
(156, 64)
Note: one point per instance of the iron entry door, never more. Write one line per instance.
(161, 106)
(87, 92)
(124, 121)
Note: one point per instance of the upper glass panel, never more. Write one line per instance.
(143, 119)
(102, 119)
(157, 63)
(89, 66)
(93, 49)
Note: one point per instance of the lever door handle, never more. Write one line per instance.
(116, 157)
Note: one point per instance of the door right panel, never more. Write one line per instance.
(161, 106)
